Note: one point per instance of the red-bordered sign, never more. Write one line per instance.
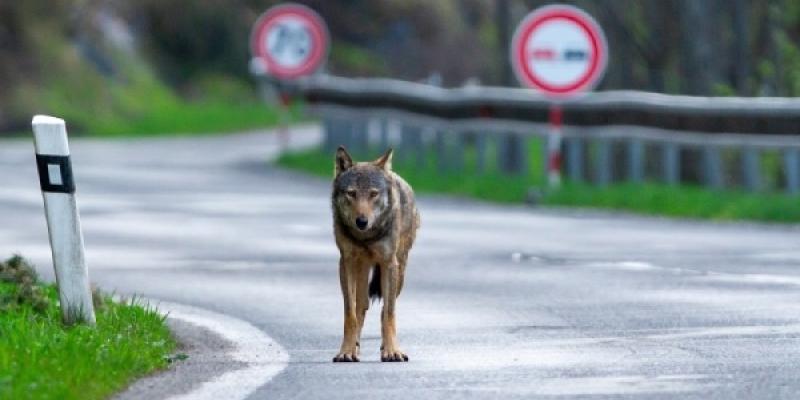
(290, 40)
(559, 50)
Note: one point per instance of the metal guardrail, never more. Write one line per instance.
(753, 143)
(780, 116)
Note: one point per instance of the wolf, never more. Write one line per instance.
(375, 222)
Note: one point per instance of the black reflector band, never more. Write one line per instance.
(55, 173)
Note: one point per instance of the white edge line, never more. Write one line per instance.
(265, 358)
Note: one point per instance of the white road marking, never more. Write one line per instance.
(730, 331)
(625, 265)
(264, 357)
(786, 256)
(623, 385)
(753, 279)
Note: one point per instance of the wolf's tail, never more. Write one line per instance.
(375, 284)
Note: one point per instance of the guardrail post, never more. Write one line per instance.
(348, 134)
(333, 133)
(502, 152)
(712, 167)
(412, 145)
(575, 158)
(383, 142)
(329, 144)
(63, 221)
(603, 162)
(339, 134)
(360, 136)
(512, 154)
(671, 162)
(405, 139)
(480, 152)
(751, 168)
(352, 137)
(791, 170)
(441, 151)
(635, 160)
(525, 161)
(458, 154)
(419, 148)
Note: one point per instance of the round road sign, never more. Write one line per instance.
(290, 41)
(559, 50)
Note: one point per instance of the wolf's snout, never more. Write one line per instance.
(361, 223)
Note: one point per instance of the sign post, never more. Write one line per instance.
(561, 51)
(63, 222)
(289, 41)
(555, 117)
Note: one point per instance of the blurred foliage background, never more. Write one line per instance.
(116, 67)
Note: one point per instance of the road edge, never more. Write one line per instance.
(263, 356)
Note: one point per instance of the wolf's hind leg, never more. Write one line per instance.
(402, 260)
(389, 285)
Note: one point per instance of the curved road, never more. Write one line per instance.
(509, 302)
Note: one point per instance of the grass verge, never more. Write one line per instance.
(182, 118)
(131, 99)
(648, 198)
(145, 107)
(681, 201)
(40, 358)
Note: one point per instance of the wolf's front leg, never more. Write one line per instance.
(362, 301)
(347, 277)
(390, 276)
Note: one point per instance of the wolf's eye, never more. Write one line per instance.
(373, 194)
(351, 193)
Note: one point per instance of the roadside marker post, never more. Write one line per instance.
(63, 222)
(562, 52)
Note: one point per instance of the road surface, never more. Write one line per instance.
(499, 302)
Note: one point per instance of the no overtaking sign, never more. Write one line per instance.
(559, 50)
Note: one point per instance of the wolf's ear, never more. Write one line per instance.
(343, 161)
(385, 161)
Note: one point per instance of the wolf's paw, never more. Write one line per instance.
(393, 355)
(346, 356)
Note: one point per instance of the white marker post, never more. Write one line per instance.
(63, 222)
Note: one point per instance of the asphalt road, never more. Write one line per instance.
(511, 302)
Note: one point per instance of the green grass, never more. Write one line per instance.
(187, 118)
(145, 107)
(40, 358)
(135, 101)
(682, 201)
(357, 60)
(648, 198)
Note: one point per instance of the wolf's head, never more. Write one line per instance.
(362, 191)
